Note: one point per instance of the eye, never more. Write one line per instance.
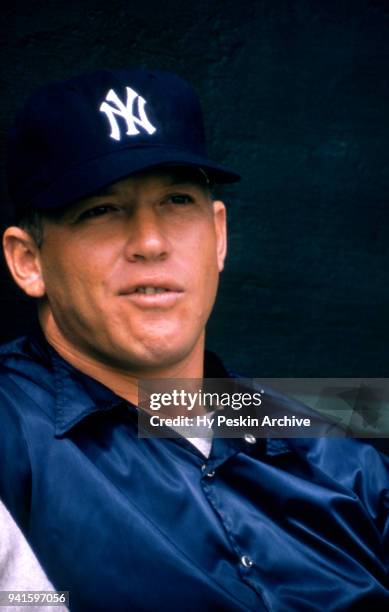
(97, 211)
(180, 199)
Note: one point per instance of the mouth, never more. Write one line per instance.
(153, 295)
(149, 290)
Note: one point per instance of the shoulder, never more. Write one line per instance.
(27, 391)
(354, 465)
(26, 410)
(344, 457)
(25, 367)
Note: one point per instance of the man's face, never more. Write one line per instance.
(131, 274)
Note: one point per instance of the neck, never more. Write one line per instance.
(122, 381)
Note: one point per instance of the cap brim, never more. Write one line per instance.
(84, 180)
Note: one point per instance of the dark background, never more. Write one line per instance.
(295, 96)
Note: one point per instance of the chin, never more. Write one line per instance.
(159, 355)
(156, 353)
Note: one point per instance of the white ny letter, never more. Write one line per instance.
(127, 113)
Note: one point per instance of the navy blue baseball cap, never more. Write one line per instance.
(74, 137)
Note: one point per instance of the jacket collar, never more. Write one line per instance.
(77, 395)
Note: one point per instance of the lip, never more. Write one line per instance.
(158, 300)
(169, 284)
(172, 294)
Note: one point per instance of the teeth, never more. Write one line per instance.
(151, 290)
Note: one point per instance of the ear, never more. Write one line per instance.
(23, 259)
(220, 219)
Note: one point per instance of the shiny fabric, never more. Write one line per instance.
(149, 524)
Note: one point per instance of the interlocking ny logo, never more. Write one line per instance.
(127, 112)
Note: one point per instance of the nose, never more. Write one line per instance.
(146, 238)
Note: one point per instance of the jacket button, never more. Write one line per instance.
(250, 439)
(210, 473)
(246, 561)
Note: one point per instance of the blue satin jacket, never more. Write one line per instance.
(149, 524)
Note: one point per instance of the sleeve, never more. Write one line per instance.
(19, 568)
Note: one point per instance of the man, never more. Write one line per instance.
(120, 242)
(19, 569)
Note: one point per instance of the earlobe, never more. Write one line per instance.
(220, 216)
(23, 259)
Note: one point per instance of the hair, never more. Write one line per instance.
(33, 223)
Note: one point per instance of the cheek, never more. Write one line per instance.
(69, 281)
(206, 270)
(77, 263)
